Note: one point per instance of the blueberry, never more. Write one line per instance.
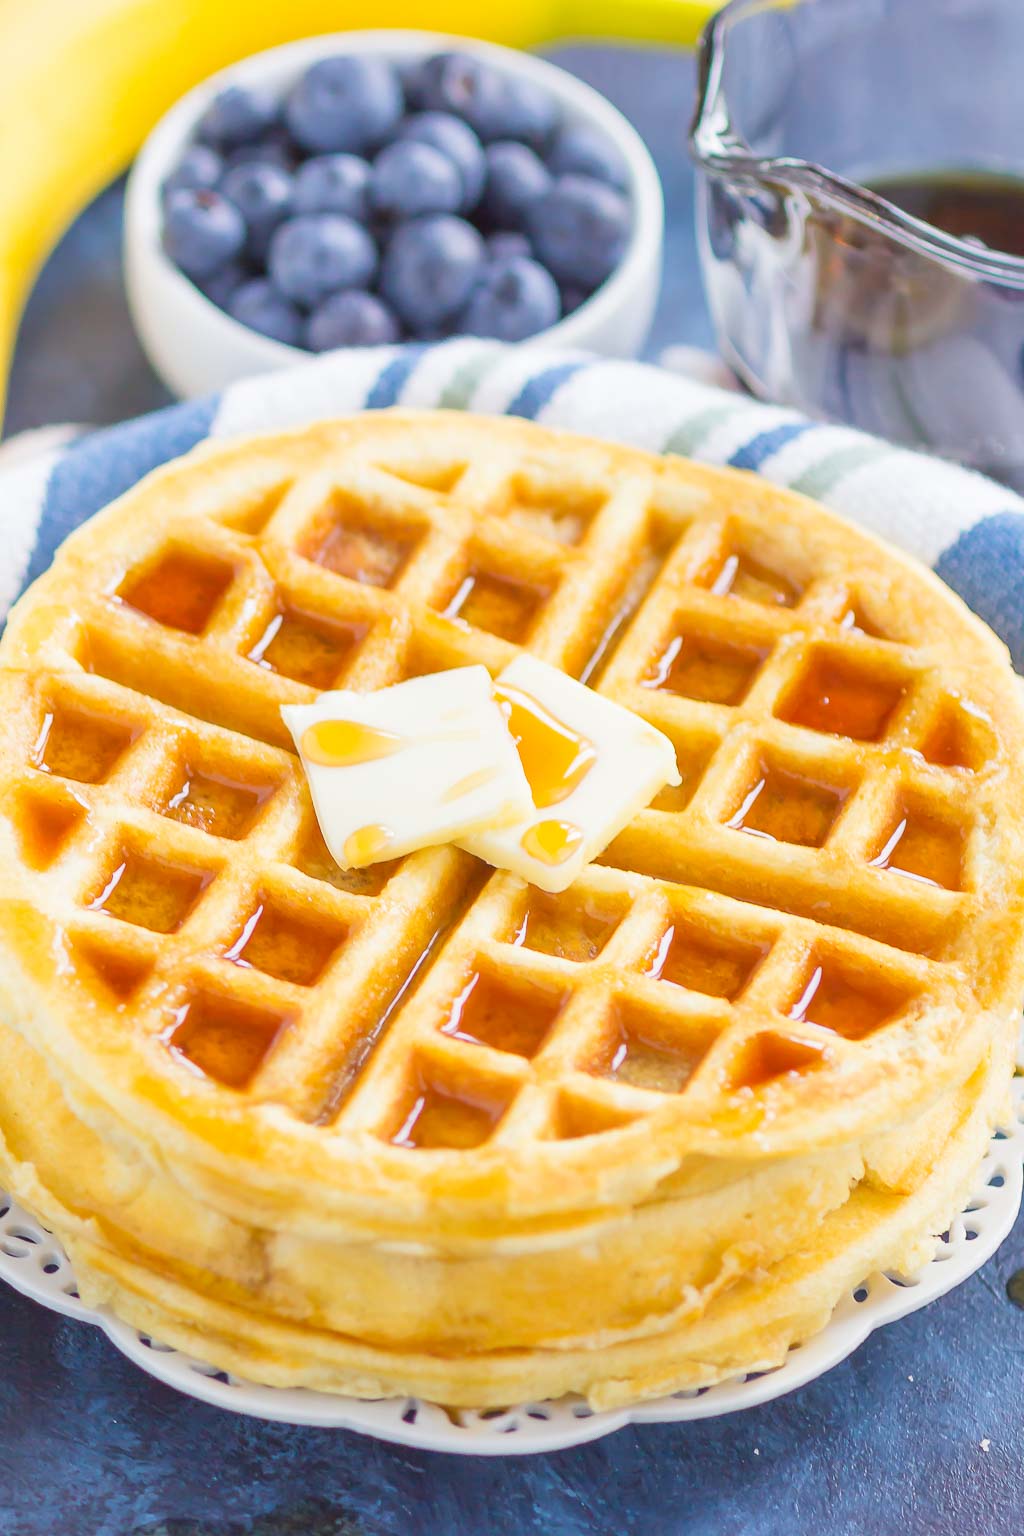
(584, 151)
(263, 196)
(237, 115)
(579, 229)
(524, 111)
(220, 285)
(516, 177)
(410, 76)
(495, 106)
(573, 297)
(345, 102)
(514, 299)
(461, 84)
(262, 308)
(430, 268)
(507, 242)
(410, 178)
(202, 230)
(333, 184)
(455, 139)
(274, 148)
(316, 254)
(200, 166)
(351, 319)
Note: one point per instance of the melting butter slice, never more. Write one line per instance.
(425, 762)
(591, 766)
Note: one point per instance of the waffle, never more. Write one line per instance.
(372, 1098)
(229, 994)
(748, 1322)
(633, 1273)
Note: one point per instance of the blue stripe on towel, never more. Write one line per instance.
(984, 566)
(395, 376)
(761, 448)
(537, 392)
(105, 464)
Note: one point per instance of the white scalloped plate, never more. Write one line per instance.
(34, 1264)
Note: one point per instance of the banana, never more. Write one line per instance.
(84, 81)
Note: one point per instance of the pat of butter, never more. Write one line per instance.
(591, 766)
(424, 762)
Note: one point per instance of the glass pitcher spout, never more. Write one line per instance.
(861, 214)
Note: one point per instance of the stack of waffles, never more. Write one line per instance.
(419, 1128)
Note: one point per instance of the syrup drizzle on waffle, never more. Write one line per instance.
(758, 927)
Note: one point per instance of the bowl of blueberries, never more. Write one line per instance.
(373, 187)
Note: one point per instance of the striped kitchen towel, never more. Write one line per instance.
(969, 529)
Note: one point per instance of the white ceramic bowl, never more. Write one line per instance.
(195, 347)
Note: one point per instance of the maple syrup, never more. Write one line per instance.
(439, 1119)
(306, 647)
(344, 743)
(703, 963)
(713, 671)
(555, 758)
(180, 591)
(741, 576)
(75, 744)
(970, 204)
(639, 582)
(221, 806)
(285, 946)
(841, 700)
(788, 809)
(351, 549)
(498, 604)
(314, 860)
(961, 737)
(924, 848)
(44, 825)
(768, 1056)
(363, 845)
(467, 785)
(847, 1006)
(947, 745)
(486, 1012)
(150, 893)
(641, 1060)
(691, 764)
(566, 927)
(551, 842)
(223, 1039)
(120, 974)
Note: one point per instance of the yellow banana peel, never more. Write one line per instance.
(84, 81)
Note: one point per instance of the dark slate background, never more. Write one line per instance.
(919, 1433)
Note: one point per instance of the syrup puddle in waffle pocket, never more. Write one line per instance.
(535, 773)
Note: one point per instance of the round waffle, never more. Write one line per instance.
(747, 1322)
(635, 1272)
(815, 937)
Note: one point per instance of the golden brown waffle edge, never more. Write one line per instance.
(815, 936)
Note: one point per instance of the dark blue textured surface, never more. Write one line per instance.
(890, 1442)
